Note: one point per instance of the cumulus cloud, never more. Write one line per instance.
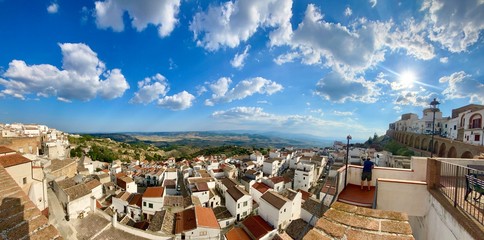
(179, 101)
(412, 37)
(348, 12)
(455, 24)
(83, 77)
(414, 98)
(53, 8)
(463, 85)
(340, 113)
(338, 88)
(285, 58)
(243, 89)
(150, 89)
(444, 59)
(233, 22)
(161, 14)
(239, 59)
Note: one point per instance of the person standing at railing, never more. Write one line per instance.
(366, 174)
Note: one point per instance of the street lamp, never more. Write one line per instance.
(348, 138)
(433, 106)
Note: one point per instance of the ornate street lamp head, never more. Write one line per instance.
(434, 103)
(348, 137)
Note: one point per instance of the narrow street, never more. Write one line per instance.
(57, 217)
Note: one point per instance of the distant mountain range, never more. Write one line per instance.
(219, 138)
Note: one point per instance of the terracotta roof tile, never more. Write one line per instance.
(185, 220)
(4, 150)
(93, 184)
(206, 217)
(237, 233)
(236, 193)
(135, 199)
(153, 192)
(12, 160)
(274, 199)
(256, 226)
(261, 187)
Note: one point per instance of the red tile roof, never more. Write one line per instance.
(206, 217)
(261, 187)
(277, 179)
(154, 192)
(304, 195)
(185, 220)
(4, 150)
(237, 233)
(256, 226)
(236, 193)
(12, 160)
(135, 199)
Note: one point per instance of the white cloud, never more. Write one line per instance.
(161, 14)
(455, 24)
(339, 113)
(413, 98)
(348, 11)
(238, 60)
(233, 22)
(444, 59)
(53, 8)
(412, 37)
(243, 89)
(83, 77)
(463, 85)
(285, 58)
(257, 118)
(373, 3)
(179, 101)
(338, 88)
(150, 89)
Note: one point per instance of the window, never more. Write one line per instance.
(477, 138)
(245, 204)
(238, 205)
(244, 214)
(144, 204)
(150, 205)
(203, 233)
(24, 180)
(455, 127)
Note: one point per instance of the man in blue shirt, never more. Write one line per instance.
(366, 174)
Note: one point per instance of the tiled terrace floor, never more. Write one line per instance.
(353, 194)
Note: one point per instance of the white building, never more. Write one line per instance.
(238, 202)
(257, 189)
(304, 176)
(271, 166)
(275, 209)
(196, 223)
(96, 188)
(257, 157)
(120, 202)
(152, 201)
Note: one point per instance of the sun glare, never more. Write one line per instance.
(407, 78)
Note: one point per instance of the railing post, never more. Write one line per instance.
(456, 182)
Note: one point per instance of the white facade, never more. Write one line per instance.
(152, 204)
(270, 167)
(241, 207)
(304, 176)
(131, 187)
(278, 218)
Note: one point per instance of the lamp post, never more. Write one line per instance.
(348, 138)
(433, 106)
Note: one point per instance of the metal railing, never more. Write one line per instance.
(464, 194)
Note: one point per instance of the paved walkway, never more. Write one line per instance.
(57, 217)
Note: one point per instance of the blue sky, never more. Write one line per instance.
(326, 68)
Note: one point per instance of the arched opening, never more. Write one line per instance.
(452, 153)
(475, 121)
(442, 150)
(417, 143)
(466, 154)
(407, 139)
(435, 148)
(425, 144)
(410, 143)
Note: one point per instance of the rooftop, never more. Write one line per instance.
(345, 221)
(206, 217)
(153, 192)
(10, 160)
(77, 191)
(236, 193)
(274, 199)
(237, 233)
(19, 217)
(93, 184)
(228, 182)
(4, 150)
(261, 187)
(185, 220)
(256, 226)
(57, 164)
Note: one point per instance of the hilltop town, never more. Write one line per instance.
(98, 188)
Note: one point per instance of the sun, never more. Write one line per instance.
(407, 78)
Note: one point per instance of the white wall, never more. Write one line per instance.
(437, 224)
(77, 206)
(131, 187)
(157, 205)
(203, 233)
(97, 192)
(118, 205)
(403, 196)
